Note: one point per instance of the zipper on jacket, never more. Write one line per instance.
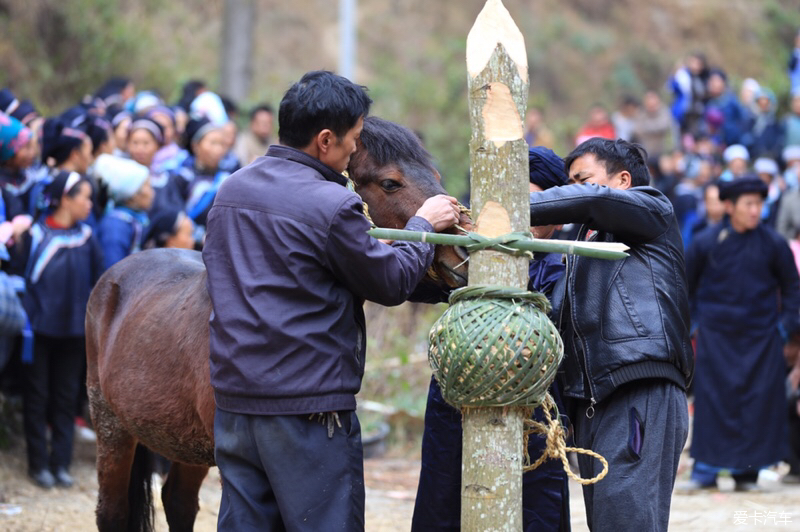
(590, 410)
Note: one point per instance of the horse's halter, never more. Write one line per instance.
(431, 273)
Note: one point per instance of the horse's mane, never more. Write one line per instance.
(390, 143)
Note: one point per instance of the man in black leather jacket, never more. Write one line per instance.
(625, 325)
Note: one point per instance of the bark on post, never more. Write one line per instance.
(491, 495)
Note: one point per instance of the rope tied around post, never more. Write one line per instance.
(556, 446)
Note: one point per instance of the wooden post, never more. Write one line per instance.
(491, 495)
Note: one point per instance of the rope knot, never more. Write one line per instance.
(556, 445)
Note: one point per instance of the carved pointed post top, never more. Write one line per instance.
(494, 26)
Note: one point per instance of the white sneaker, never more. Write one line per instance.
(85, 434)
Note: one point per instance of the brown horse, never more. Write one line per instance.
(147, 345)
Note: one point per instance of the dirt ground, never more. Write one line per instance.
(390, 486)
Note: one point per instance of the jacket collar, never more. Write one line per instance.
(295, 155)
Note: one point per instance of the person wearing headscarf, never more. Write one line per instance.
(67, 146)
(116, 91)
(18, 154)
(170, 229)
(120, 121)
(101, 135)
(145, 138)
(545, 497)
(170, 155)
(143, 102)
(745, 300)
(213, 107)
(737, 161)
(64, 262)
(190, 90)
(27, 114)
(122, 229)
(767, 169)
(765, 135)
(196, 181)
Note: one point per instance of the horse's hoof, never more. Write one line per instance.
(63, 478)
(43, 478)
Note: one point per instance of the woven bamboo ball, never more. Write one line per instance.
(495, 346)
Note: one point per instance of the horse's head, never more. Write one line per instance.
(394, 175)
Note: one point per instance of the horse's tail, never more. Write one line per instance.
(140, 491)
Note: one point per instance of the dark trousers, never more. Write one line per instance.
(545, 497)
(50, 394)
(641, 430)
(285, 473)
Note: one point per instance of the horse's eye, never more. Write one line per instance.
(390, 185)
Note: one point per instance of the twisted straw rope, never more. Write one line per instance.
(556, 446)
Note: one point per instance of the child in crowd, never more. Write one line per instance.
(170, 229)
(65, 261)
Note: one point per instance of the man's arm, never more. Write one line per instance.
(640, 213)
(371, 269)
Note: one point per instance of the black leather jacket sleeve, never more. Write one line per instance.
(637, 214)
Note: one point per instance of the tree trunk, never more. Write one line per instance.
(236, 59)
(498, 91)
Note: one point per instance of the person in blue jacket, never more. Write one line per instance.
(122, 229)
(545, 498)
(195, 183)
(65, 261)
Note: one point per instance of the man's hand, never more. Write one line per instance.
(441, 211)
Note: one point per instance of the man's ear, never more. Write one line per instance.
(625, 180)
(324, 140)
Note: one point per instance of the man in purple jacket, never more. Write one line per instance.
(289, 263)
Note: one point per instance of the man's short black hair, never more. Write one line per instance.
(617, 155)
(320, 100)
(261, 108)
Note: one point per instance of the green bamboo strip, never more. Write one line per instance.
(513, 243)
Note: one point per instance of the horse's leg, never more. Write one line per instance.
(115, 453)
(180, 495)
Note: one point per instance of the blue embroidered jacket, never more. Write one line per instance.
(120, 234)
(63, 266)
